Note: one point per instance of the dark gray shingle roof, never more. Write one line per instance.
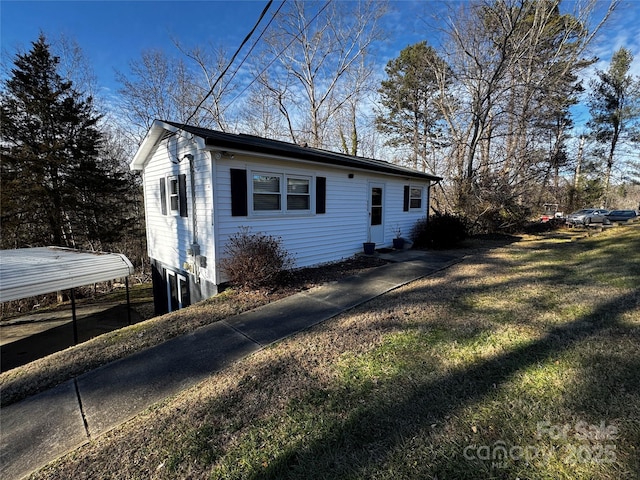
(251, 143)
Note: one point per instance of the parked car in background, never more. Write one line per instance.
(596, 217)
(578, 217)
(619, 216)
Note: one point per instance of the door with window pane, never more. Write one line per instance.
(376, 212)
(177, 291)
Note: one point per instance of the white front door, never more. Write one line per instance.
(376, 213)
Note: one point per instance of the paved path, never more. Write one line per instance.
(44, 427)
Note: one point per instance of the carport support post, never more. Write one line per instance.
(73, 316)
(126, 284)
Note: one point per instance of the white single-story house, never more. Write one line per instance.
(202, 186)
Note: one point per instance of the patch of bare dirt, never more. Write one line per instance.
(306, 278)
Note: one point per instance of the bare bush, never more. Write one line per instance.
(255, 259)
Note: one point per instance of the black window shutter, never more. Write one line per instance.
(238, 192)
(163, 196)
(406, 198)
(182, 194)
(321, 194)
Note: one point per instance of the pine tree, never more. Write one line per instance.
(409, 97)
(615, 110)
(55, 186)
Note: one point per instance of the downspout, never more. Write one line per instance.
(214, 220)
(194, 222)
(195, 248)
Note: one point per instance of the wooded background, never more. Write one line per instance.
(490, 108)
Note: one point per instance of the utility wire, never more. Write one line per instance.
(246, 39)
(277, 56)
(254, 45)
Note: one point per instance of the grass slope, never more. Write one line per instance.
(47, 372)
(521, 362)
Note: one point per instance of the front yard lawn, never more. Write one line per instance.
(520, 362)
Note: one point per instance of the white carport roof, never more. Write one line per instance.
(27, 272)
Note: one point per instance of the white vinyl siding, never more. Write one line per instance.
(314, 238)
(170, 236)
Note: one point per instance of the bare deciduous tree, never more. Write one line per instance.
(316, 47)
(514, 67)
(163, 87)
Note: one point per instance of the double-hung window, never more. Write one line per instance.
(267, 192)
(173, 195)
(298, 194)
(415, 197)
(281, 193)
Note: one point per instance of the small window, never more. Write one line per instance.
(298, 194)
(415, 198)
(266, 192)
(174, 195)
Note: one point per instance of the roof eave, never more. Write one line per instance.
(312, 156)
(265, 147)
(149, 143)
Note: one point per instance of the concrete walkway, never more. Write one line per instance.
(44, 427)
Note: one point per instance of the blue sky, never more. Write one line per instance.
(112, 33)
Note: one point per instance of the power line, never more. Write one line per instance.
(254, 45)
(296, 37)
(246, 39)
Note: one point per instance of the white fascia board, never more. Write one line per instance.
(269, 156)
(150, 142)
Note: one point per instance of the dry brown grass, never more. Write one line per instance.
(396, 388)
(54, 369)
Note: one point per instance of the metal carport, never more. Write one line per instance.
(28, 272)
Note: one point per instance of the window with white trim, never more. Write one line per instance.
(415, 197)
(173, 195)
(298, 193)
(280, 193)
(267, 192)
